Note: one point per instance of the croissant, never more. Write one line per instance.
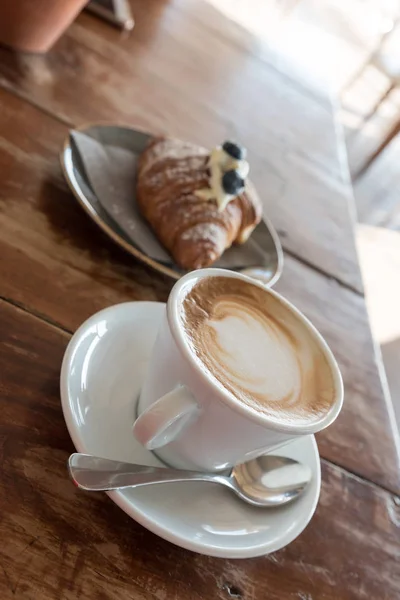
(191, 228)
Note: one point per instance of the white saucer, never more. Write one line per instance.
(101, 376)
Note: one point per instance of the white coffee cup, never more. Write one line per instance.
(193, 423)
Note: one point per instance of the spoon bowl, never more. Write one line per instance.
(264, 481)
(270, 480)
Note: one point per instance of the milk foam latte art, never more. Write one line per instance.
(255, 347)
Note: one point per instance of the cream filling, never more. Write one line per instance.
(218, 163)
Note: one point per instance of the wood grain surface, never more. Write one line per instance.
(54, 259)
(58, 542)
(189, 71)
(57, 264)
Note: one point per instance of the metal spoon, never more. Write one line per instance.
(264, 481)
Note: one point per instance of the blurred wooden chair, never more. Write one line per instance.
(386, 59)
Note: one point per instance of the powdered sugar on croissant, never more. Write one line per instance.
(192, 228)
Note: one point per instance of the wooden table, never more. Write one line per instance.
(189, 70)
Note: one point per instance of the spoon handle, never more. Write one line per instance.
(95, 474)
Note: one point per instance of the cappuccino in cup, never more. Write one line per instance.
(236, 371)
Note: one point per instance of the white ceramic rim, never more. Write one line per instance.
(139, 515)
(173, 311)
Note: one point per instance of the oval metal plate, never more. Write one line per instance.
(264, 234)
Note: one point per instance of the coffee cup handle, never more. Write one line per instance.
(165, 419)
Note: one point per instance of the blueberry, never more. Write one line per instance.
(234, 150)
(232, 182)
